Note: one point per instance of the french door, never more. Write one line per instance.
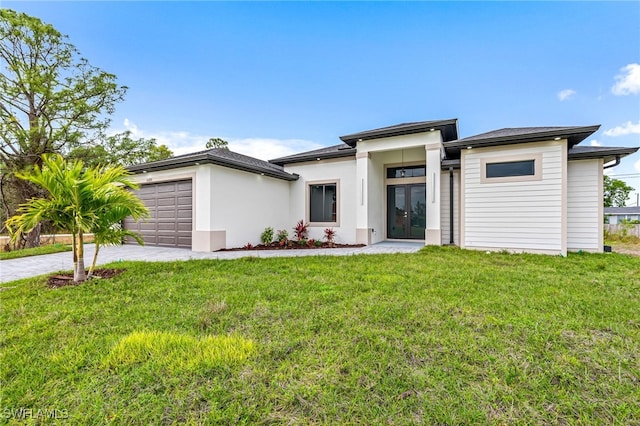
(406, 211)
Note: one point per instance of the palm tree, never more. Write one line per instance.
(113, 205)
(79, 200)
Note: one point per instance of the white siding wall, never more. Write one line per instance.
(243, 204)
(445, 208)
(518, 216)
(343, 170)
(584, 205)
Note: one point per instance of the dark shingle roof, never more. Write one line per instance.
(335, 151)
(220, 157)
(622, 210)
(608, 153)
(507, 136)
(449, 129)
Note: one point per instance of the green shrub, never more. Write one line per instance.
(267, 236)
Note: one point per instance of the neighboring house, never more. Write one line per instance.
(613, 215)
(525, 189)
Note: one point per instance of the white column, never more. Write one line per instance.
(363, 229)
(433, 231)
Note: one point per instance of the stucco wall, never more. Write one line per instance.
(584, 206)
(244, 204)
(528, 215)
(344, 171)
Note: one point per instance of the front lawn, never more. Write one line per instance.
(444, 336)
(35, 251)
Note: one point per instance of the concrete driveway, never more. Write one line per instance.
(26, 267)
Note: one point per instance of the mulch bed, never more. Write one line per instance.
(292, 245)
(63, 280)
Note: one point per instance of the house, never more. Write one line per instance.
(614, 215)
(521, 189)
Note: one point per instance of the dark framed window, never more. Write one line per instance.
(323, 203)
(406, 172)
(511, 169)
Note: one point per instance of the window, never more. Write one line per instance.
(406, 172)
(323, 207)
(511, 168)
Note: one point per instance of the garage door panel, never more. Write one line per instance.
(167, 214)
(169, 226)
(167, 202)
(166, 187)
(170, 208)
(184, 227)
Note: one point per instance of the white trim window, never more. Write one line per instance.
(322, 203)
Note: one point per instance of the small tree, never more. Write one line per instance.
(217, 143)
(616, 192)
(81, 201)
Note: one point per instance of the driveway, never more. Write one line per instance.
(26, 267)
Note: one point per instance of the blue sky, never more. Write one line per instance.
(278, 78)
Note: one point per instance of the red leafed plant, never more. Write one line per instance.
(301, 230)
(248, 246)
(329, 235)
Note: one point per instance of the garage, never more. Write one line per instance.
(170, 214)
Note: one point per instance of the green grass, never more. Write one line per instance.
(444, 336)
(35, 251)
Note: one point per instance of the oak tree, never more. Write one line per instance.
(51, 101)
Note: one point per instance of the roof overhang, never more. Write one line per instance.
(209, 158)
(574, 135)
(595, 152)
(448, 128)
(311, 156)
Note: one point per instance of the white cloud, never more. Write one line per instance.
(595, 143)
(267, 148)
(637, 167)
(628, 81)
(181, 142)
(565, 94)
(627, 128)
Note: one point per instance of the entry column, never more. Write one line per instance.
(433, 231)
(363, 230)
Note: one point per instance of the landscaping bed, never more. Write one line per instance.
(63, 280)
(292, 245)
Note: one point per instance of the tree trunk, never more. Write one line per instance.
(32, 239)
(80, 274)
(74, 250)
(93, 263)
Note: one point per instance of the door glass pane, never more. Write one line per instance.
(418, 212)
(396, 213)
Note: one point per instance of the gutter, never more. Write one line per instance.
(614, 164)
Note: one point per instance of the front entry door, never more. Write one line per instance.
(406, 211)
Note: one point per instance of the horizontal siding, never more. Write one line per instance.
(444, 207)
(524, 215)
(583, 205)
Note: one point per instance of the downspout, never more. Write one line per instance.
(614, 164)
(451, 205)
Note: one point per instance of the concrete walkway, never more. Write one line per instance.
(26, 267)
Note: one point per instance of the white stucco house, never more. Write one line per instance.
(519, 189)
